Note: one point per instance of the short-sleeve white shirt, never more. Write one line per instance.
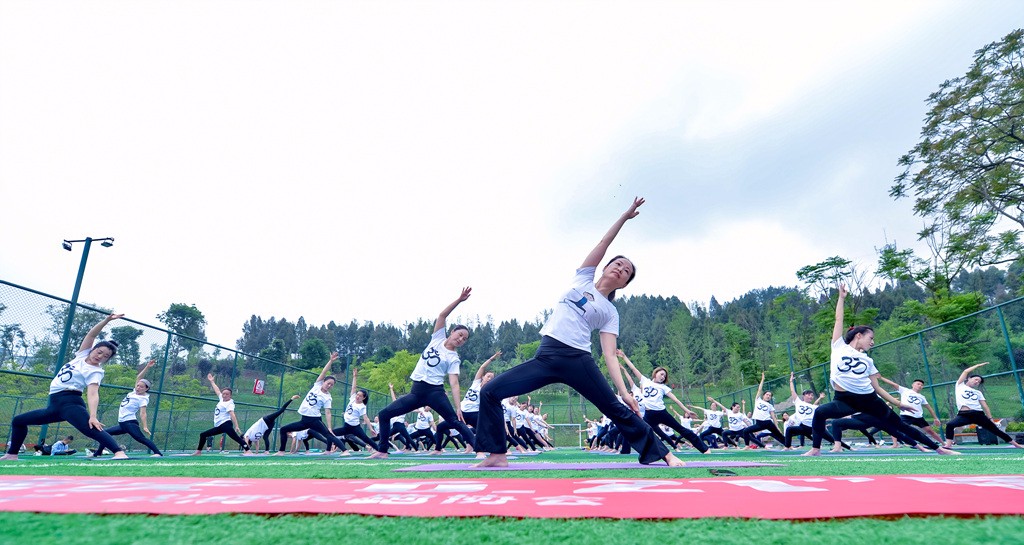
(130, 405)
(256, 431)
(969, 397)
(654, 394)
(223, 411)
(803, 413)
(76, 374)
(851, 369)
(354, 412)
(436, 362)
(581, 310)
(424, 419)
(914, 399)
(763, 410)
(471, 402)
(315, 401)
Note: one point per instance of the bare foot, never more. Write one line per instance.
(1016, 444)
(120, 455)
(157, 456)
(469, 450)
(378, 455)
(944, 450)
(7, 457)
(197, 453)
(345, 453)
(921, 448)
(812, 452)
(436, 452)
(248, 453)
(279, 453)
(494, 460)
(837, 448)
(481, 455)
(948, 444)
(673, 461)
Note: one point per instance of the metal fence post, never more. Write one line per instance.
(1009, 352)
(928, 372)
(160, 387)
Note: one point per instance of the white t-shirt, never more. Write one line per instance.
(424, 419)
(301, 435)
(436, 362)
(76, 374)
(638, 395)
(737, 421)
(130, 405)
(763, 410)
(508, 409)
(969, 397)
(222, 413)
(803, 413)
(581, 310)
(315, 401)
(916, 399)
(851, 369)
(256, 431)
(471, 403)
(686, 423)
(713, 418)
(654, 394)
(521, 416)
(400, 419)
(354, 412)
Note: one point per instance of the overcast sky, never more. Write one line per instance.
(365, 160)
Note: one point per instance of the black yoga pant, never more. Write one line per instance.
(846, 403)
(399, 430)
(426, 434)
(710, 434)
(67, 406)
(270, 420)
(978, 418)
(357, 431)
(765, 425)
(423, 394)
(557, 362)
(654, 418)
(313, 424)
(226, 427)
(132, 428)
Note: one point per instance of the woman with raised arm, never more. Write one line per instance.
(973, 408)
(804, 407)
(654, 392)
(318, 400)
(438, 361)
(564, 357)
(355, 414)
(471, 403)
(79, 376)
(912, 397)
(134, 401)
(855, 381)
(764, 417)
(224, 420)
(712, 422)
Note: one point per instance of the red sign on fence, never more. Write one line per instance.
(257, 388)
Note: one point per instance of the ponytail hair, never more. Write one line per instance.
(854, 331)
(632, 274)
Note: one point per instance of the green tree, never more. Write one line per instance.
(313, 354)
(128, 352)
(184, 320)
(965, 173)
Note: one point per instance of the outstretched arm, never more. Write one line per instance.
(216, 389)
(608, 347)
(483, 367)
(90, 337)
(145, 368)
(443, 317)
(792, 388)
(687, 412)
(355, 372)
(595, 256)
(963, 376)
(391, 388)
(714, 403)
(327, 368)
(889, 382)
(622, 355)
(837, 329)
(453, 381)
(760, 387)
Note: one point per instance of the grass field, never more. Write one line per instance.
(121, 529)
